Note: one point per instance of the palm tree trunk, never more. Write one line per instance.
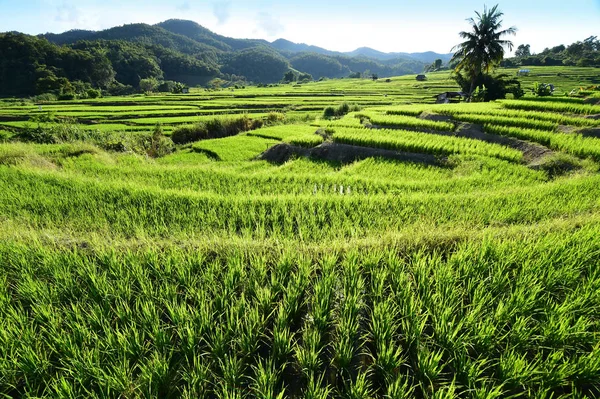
(470, 99)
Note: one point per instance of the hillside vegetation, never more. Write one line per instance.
(117, 59)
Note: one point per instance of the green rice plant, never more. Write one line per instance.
(350, 120)
(316, 389)
(266, 381)
(575, 144)
(399, 388)
(124, 275)
(415, 142)
(403, 121)
(507, 121)
(360, 388)
(406, 110)
(305, 141)
(584, 109)
(308, 355)
(214, 128)
(300, 135)
(388, 356)
(283, 132)
(531, 116)
(235, 148)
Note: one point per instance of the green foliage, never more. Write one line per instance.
(33, 65)
(204, 272)
(524, 50)
(422, 143)
(489, 87)
(289, 77)
(390, 120)
(561, 105)
(299, 135)
(93, 93)
(178, 88)
(584, 53)
(258, 64)
(305, 77)
(5, 136)
(234, 148)
(119, 89)
(435, 66)
(214, 128)
(340, 110)
(541, 89)
(160, 145)
(148, 85)
(319, 65)
(483, 48)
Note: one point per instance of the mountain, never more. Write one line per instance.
(137, 33)
(118, 59)
(291, 47)
(370, 53)
(195, 31)
(427, 57)
(71, 36)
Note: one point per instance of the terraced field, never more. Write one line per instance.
(408, 249)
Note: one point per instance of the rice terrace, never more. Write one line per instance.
(184, 214)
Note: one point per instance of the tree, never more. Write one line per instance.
(148, 85)
(289, 77)
(305, 77)
(435, 66)
(483, 48)
(524, 50)
(177, 88)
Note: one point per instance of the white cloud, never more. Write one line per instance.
(68, 13)
(221, 10)
(185, 6)
(269, 24)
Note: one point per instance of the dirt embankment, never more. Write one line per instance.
(341, 153)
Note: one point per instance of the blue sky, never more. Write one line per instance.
(341, 25)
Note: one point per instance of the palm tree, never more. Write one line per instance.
(483, 48)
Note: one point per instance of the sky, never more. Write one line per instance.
(340, 25)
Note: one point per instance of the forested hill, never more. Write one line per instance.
(118, 59)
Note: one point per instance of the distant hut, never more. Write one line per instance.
(449, 97)
(185, 90)
(523, 72)
(421, 78)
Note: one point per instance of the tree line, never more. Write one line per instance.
(30, 65)
(584, 53)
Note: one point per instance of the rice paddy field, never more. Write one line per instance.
(404, 250)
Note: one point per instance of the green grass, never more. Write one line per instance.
(208, 273)
(575, 144)
(300, 135)
(401, 121)
(552, 106)
(417, 142)
(236, 148)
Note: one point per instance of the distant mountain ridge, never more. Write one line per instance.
(118, 59)
(198, 33)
